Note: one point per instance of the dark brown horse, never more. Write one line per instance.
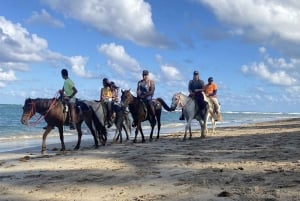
(139, 112)
(54, 115)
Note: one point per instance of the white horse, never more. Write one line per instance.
(190, 112)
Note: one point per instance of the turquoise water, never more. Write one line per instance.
(14, 135)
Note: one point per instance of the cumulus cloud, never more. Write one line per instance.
(130, 20)
(44, 18)
(273, 70)
(267, 18)
(119, 60)
(19, 48)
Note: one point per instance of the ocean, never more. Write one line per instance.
(14, 135)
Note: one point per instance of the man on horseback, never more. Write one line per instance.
(196, 86)
(145, 91)
(68, 93)
(211, 92)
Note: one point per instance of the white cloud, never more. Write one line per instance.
(261, 70)
(19, 48)
(119, 60)
(7, 75)
(130, 20)
(44, 18)
(266, 18)
(17, 45)
(171, 72)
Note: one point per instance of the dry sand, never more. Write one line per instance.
(252, 162)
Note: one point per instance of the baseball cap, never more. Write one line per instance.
(196, 72)
(145, 72)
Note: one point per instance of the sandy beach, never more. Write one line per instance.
(250, 162)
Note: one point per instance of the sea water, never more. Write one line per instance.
(14, 135)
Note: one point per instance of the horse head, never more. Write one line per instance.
(176, 100)
(126, 98)
(29, 110)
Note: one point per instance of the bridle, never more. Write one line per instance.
(33, 111)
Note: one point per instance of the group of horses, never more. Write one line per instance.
(93, 114)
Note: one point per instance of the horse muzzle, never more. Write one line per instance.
(24, 120)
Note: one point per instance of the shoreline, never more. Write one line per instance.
(259, 161)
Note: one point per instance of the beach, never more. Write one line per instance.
(259, 161)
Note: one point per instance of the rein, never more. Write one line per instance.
(33, 110)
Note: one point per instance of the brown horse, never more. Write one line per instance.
(55, 116)
(139, 112)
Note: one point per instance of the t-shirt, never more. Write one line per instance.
(68, 87)
(196, 84)
(106, 94)
(210, 88)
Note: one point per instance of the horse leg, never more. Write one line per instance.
(187, 126)
(141, 131)
(136, 133)
(158, 124)
(47, 131)
(190, 130)
(213, 122)
(203, 129)
(79, 134)
(152, 123)
(126, 132)
(61, 136)
(89, 124)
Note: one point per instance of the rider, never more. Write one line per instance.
(115, 92)
(211, 92)
(145, 91)
(196, 86)
(106, 97)
(68, 93)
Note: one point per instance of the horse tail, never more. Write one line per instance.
(164, 104)
(100, 128)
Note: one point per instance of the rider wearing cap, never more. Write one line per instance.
(145, 90)
(211, 92)
(196, 86)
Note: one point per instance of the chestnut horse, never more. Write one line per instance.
(140, 113)
(53, 112)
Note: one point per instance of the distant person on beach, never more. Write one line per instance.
(196, 86)
(145, 91)
(211, 92)
(68, 94)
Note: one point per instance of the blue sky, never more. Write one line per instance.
(251, 48)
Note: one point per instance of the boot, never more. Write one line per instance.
(181, 117)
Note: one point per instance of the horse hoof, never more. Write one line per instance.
(143, 141)
(43, 152)
(134, 141)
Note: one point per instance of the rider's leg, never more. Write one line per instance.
(72, 116)
(109, 114)
(182, 115)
